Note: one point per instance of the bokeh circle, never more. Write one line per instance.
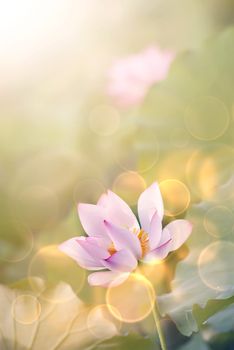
(129, 185)
(219, 221)
(176, 196)
(109, 325)
(52, 267)
(26, 309)
(133, 299)
(207, 118)
(215, 265)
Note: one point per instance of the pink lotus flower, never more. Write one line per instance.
(131, 78)
(115, 239)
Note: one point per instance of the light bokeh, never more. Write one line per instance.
(64, 141)
(134, 299)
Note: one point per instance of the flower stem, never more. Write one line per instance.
(156, 317)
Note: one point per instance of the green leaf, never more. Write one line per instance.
(56, 319)
(195, 343)
(196, 283)
(223, 321)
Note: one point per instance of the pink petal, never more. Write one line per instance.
(162, 250)
(124, 239)
(93, 246)
(91, 218)
(117, 211)
(165, 237)
(155, 231)
(179, 231)
(149, 202)
(160, 62)
(158, 253)
(81, 256)
(123, 261)
(102, 202)
(107, 278)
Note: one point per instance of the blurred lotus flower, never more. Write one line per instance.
(131, 78)
(115, 239)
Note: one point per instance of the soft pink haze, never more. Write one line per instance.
(130, 78)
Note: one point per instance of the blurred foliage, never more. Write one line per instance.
(128, 342)
(222, 321)
(196, 342)
(196, 76)
(48, 320)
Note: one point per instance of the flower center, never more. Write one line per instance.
(111, 249)
(144, 241)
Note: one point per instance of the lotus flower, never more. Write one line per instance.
(116, 241)
(130, 78)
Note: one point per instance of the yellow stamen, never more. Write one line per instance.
(144, 241)
(112, 249)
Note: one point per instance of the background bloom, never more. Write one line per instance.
(116, 241)
(130, 78)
